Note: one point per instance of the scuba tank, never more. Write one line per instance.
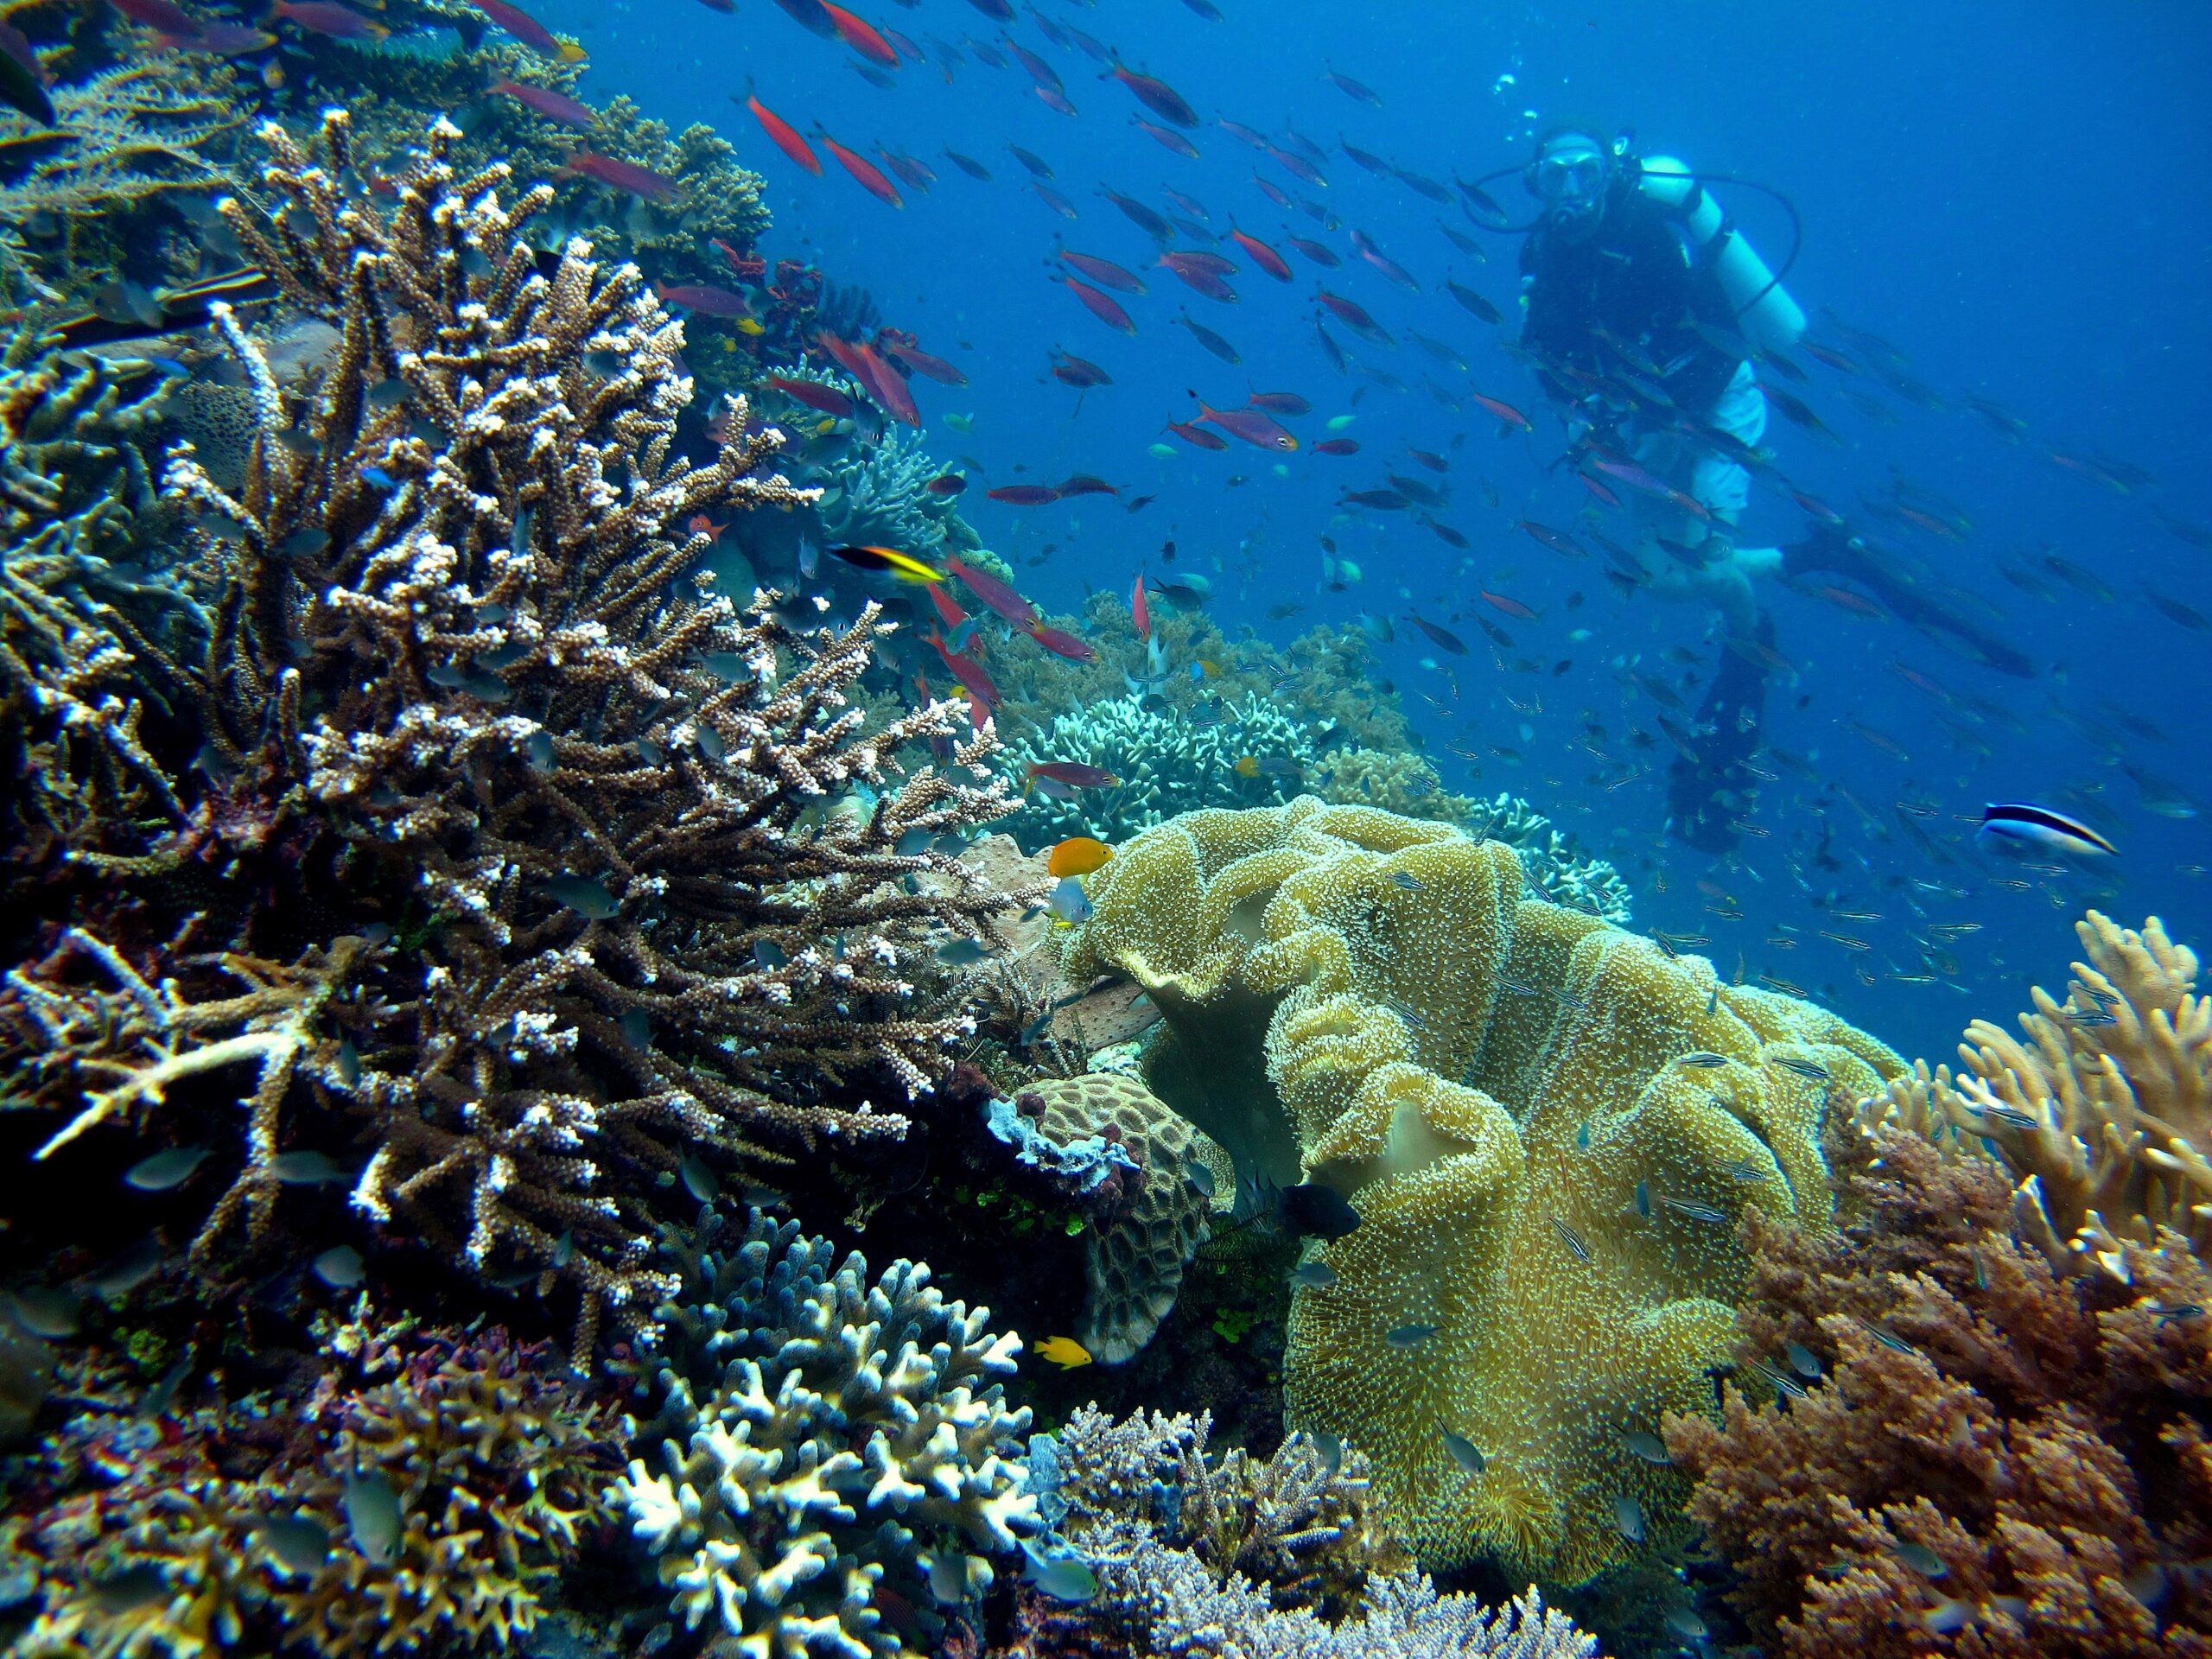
(1770, 319)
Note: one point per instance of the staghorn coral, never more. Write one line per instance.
(2003, 1458)
(425, 1496)
(1137, 1245)
(121, 139)
(463, 663)
(1546, 1126)
(1259, 1559)
(821, 1434)
(2101, 1110)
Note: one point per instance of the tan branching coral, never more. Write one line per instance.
(2101, 1109)
(1999, 1458)
(633, 857)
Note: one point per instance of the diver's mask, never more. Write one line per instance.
(1571, 178)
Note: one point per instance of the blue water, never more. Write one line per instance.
(2019, 196)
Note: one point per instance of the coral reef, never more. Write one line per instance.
(1546, 1126)
(121, 139)
(872, 494)
(2004, 1456)
(1142, 1235)
(1280, 1558)
(425, 1496)
(461, 672)
(820, 1433)
(2103, 1114)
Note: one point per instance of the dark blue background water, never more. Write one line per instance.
(2017, 195)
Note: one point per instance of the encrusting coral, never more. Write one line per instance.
(1245, 1559)
(2101, 1109)
(2002, 1456)
(462, 670)
(1546, 1126)
(819, 1434)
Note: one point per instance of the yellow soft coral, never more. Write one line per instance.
(2101, 1109)
(1548, 1128)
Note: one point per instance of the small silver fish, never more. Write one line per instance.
(586, 897)
(300, 1543)
(1808, 1069)
(165, 1170)
(373, 1517)
(1199, 1174)
(1628, 1516)
(709, 741)
(1070, 903)
(1410, 1336)
(1414, 1021)
(1649, 1447)
(2017, 1119)
(1922, 1561)
(1746, 1169)
(341, 1267)
(768, 956)
(1069, 1580)
(1465, 1452)
(636, 1028)
(45, 1312)
(1314, 1275)
(1695, 1210)
(308, 1169)
(699, 1178)
(1407, 880)
(958, 953)
(1703, 1059)
(1685, 1622)
(1803, 1360)
(1888, 1338)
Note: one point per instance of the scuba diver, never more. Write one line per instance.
(1645, 309)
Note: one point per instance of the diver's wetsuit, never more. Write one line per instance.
(1604, 312)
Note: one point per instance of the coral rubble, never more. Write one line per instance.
(1547, 1129)
(820, 1432)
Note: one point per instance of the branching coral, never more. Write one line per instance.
(1260, 1560)
(822, 1433)
(2101, 1110)
(461, 649)
(2001, 1460)
(424, 1497)
(1546, 1128)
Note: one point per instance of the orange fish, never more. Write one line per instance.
(1077, 855)
(1141, 610)
(699, 525)
(1512, 607)
(1512, 418)
(1061, 643)
(783, 135)
(869, 176)
(861, 35)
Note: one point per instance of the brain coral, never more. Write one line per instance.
(822, 1433)
(1547, 1127)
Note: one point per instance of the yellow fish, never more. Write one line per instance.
(1212, 669)
(1247, 766)
(1064, 1351)
(1077, 855)
(751, 326)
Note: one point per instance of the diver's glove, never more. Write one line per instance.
(1705, 796)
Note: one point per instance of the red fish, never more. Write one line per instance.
(1365, 246)
(1104, 272)
(1359, 89)
(1077, 371)
(704, 298)
(1054, 99)
(1511, 418)
(1085, 484)
(1202, 271)
(328, 17)
(813, 394)
(1280, 402)
(1166, 138)
(901, 345)
(554, 106)
(590, 164)
(1298, 167)
(1352, 315)
(945, 485)
(1197, 436)
(1141, 609)
(869, 176)
(949, 613)
(1104, 307)
(1256, 427)
(1600, 491)
(1025, 495)
(912, 171)
(1073, 773)
(861, 35)
(968, 672)
(783, 135)
(1156, 95)
(1337, 447)
(1061, 643)
(1262, 255)
(527, 29)
(699, 525)
(878, 378)
(1512, 607)
(995, 593)
(1046, 78)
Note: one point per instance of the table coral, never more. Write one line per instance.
(1547, 1127)
(821, 1434)
(2004, 1457)
(2101, 1109)
(463, 677)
